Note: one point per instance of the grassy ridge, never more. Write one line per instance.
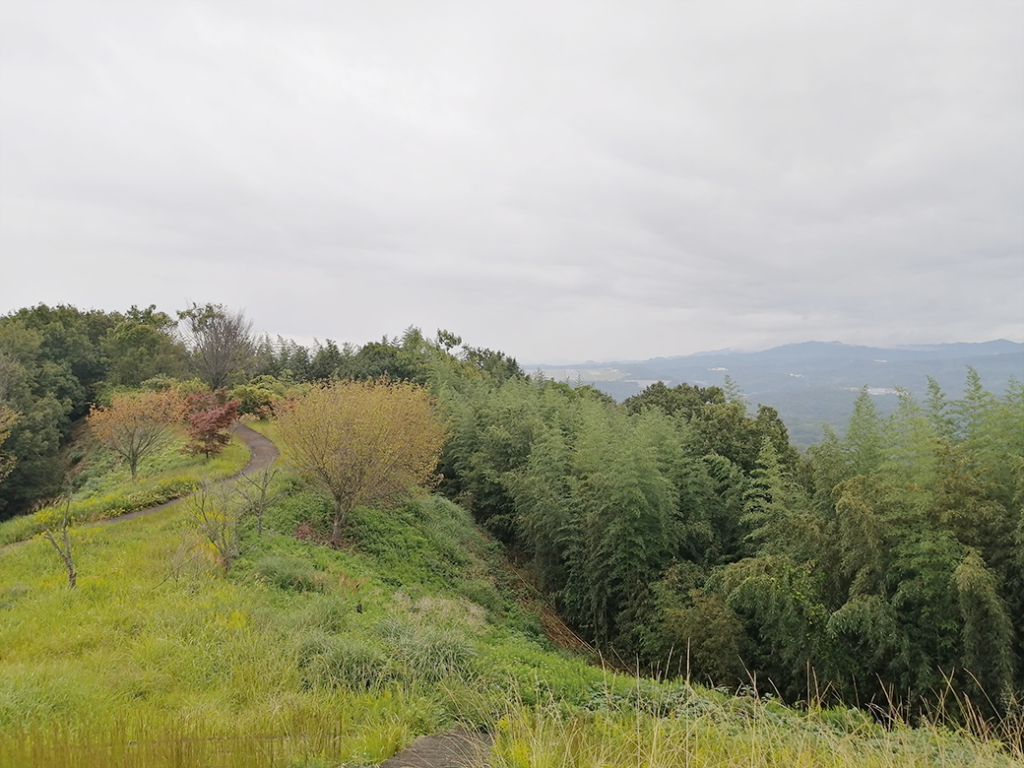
(305, 656)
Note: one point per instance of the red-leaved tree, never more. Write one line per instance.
(208, 421)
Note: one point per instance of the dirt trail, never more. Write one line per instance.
(458, 748)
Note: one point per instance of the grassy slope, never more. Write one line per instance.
(306, 656)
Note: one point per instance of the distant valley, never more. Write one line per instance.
(813, 383)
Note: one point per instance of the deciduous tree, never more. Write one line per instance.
(41, 392)
(255, 494)
(213, 513)
(143, 345)
(363, 442)
(221, 342)
(208, 421)
(59, 520)
(137, 424)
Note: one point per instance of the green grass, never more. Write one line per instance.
(304, 656)
(717, 734)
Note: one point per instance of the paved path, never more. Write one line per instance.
(459, 748)
(262, 453)
(262, 449)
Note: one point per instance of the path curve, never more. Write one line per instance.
(262, 453)
(261, 448)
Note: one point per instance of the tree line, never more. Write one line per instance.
(678, 530)
(59, 363)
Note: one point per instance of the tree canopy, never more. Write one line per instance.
(363, 442)
(136, 424)
(220, 341)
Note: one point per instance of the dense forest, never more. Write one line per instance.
(677, 531)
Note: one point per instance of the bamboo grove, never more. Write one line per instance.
(681, 533)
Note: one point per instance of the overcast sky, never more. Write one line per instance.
(558, 180)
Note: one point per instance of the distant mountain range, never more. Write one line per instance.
(814, 382)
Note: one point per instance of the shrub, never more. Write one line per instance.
(208, 421)
(289, 573)
(427, 653)
(331, 661)
(328, 613)
(436, 655)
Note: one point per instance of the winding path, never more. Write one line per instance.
(261, 448)
(262, 453)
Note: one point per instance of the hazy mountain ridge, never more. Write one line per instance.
(813, 382)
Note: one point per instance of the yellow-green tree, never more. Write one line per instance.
(137, 424)
(363, 443)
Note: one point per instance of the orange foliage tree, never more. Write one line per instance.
(137, 424)
(363, 442)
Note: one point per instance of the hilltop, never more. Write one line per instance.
(449, 542)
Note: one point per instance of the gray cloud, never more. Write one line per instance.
(561, 180)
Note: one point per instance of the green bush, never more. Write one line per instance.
(437, 655)
(328, 613)
(332, 661)
(427, 653)
(296, 508)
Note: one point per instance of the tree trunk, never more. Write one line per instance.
(340, 515)
(72, 573)
(65, 555)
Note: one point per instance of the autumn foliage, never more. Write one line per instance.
(137, 424)
(208, 421)
(363, 442)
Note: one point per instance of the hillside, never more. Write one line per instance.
(303, 655)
